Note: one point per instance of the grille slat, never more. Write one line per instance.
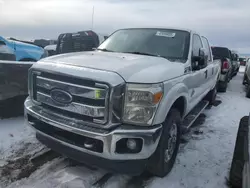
(78, 108)
(89, 101)
(75, 90)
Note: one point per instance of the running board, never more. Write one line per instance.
(193, 115)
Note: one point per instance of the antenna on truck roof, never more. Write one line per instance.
(93, 12)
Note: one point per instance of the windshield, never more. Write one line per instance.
(170, 44)
(219, 53)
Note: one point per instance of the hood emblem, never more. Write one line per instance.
(60, 96)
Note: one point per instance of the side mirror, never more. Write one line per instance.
(199, 62)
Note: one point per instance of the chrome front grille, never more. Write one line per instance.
(89, 98)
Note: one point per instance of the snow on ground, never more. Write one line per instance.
(203, 160)
(242, 68)
(13, 134)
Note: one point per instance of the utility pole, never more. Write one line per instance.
(93, 12)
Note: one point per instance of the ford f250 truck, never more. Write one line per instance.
(124, 106)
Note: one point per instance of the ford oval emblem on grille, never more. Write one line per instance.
(61, 96)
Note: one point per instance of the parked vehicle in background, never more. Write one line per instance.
(6, 53)
(239, 176)
(124, 106)
(13, 87)
(13, 79)
(246, 78)
(51, 49)
(79, 41)
(243, 61)
(223, 54)
(44, 42)
(235, 63)
(24, 51)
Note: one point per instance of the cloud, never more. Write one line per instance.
(224, 22)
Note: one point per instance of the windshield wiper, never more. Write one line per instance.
(148, 54)
(142, 53)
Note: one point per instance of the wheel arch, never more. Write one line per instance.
(177, 97)
(180, 104)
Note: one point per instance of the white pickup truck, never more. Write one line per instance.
(124, 106)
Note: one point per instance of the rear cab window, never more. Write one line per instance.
(220, 53)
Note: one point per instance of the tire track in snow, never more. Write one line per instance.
(100, 183)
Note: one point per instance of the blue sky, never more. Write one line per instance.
(224, 22)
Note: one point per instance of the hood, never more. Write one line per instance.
(132, 68)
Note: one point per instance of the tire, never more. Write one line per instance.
(222, 86)
(244, 80)
(211, 96)
(235, 175)
(248, 91)
(159, 164)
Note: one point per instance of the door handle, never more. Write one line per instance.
(205, 73)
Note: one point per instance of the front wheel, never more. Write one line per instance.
(162, 161)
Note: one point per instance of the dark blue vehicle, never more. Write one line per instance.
(24, 51)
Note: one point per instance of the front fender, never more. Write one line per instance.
(172, 92)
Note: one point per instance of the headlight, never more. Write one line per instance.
(141, 102)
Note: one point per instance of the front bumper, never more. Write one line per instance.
(36, 117)
(132, 167)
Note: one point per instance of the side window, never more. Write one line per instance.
(196, 44)
(230, 54)
(207, 47)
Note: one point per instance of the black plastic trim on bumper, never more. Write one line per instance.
(133, 167)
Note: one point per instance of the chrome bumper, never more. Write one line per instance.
(150, 136)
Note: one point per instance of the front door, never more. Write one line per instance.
(197, 81)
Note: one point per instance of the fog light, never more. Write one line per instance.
(131, 144)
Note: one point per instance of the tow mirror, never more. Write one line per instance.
(199, 62)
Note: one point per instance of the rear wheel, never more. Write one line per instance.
(222, 86)
(162, 161)
(211, 96)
